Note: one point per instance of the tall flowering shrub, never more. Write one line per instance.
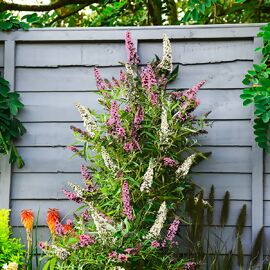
(139, 152)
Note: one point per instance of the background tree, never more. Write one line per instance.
(139, 12)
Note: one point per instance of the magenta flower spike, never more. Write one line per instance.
(126, 200)
(99, 81)
(133, 57)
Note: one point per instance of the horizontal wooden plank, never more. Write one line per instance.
(67, 207)
(59, 106)
(42, 185)
(48, 134)
(49, 185)
(239, 185)
(219, 75)
(205, 51)
(147, 32)
(45, 159)
(240, 133)
(59, 134)
(226, 159)
(57, 159)
(68, 54)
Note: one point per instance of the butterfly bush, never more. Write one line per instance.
(139, 150)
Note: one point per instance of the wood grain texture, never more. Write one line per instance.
(239, 185)
(59, 106)
(70, 54)
(198, 52)
(82, 79)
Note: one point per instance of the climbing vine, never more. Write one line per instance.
(258, 92)
(10, 127)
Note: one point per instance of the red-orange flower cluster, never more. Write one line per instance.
(52, 218)
(27, 219)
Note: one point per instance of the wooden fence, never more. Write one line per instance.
(53, 68)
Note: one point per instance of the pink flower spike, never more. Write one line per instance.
(131, 50)
(72, 196)
(122, 257)
(73, 148)
(169, 162)
(131, 251)
(173, 229)
(126, 200)
(122, 75)
(99, 81)
(85, 175)
(86, 240)
(190, 266)
(153, 98)
(112, 254)
(155, 244)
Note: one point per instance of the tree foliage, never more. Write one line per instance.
(138, 12)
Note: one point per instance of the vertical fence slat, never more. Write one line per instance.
(9, 74)
(257, 174)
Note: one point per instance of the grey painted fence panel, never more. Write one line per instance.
(58, 159)
(59, 106)
(54, 69)
(87, 54)
(59, 134)
(82, 79)
(49, 185)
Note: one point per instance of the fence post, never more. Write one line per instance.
(5, 167)
(257, 174)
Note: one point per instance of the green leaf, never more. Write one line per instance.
(246, 81)
(195, 14)
(265, 117)
(5, 25)
(247, 102)
(52, 263)
(46, 265)
(208, 3)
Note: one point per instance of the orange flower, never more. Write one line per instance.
(52, 218)
(27, 219)
(67, 228)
